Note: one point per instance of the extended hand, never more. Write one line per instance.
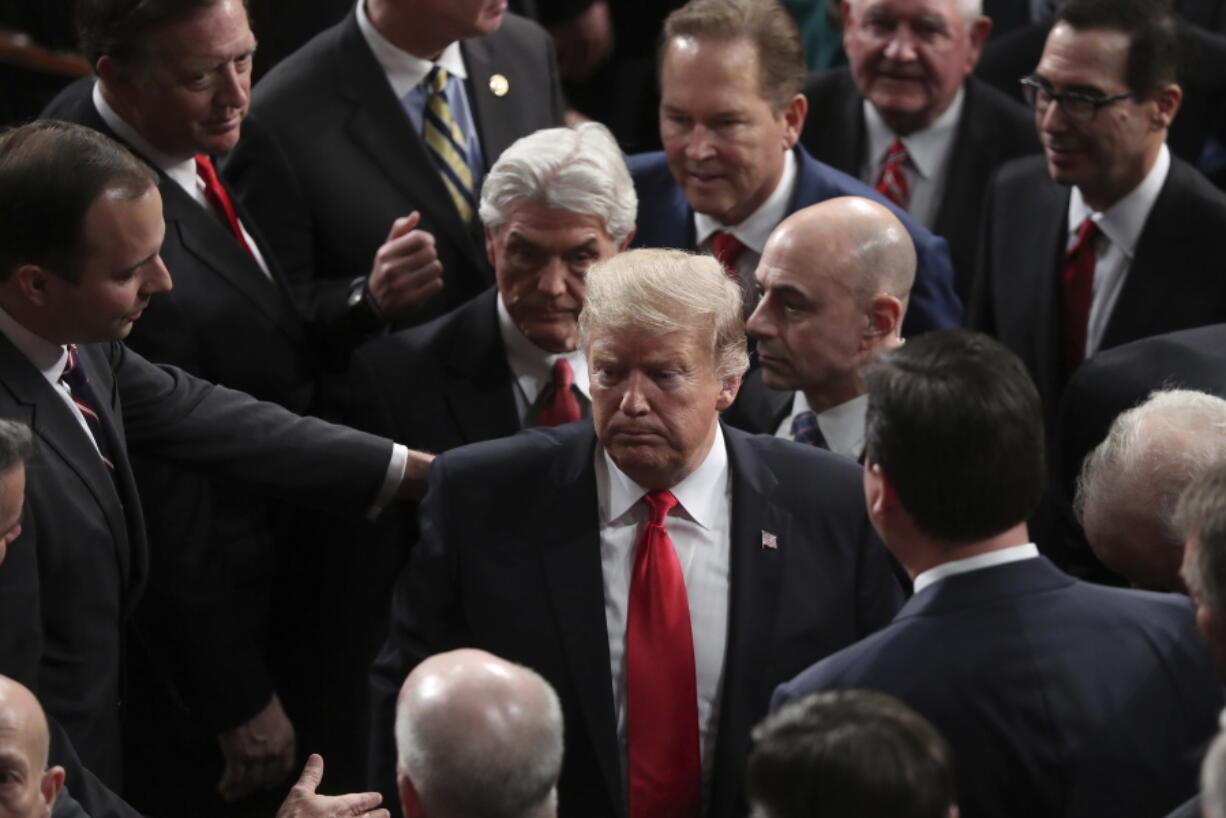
(304, 802)
(259, 753)
(406, 271)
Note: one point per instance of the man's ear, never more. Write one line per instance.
(1166, 104)
(884, 319)
(727, 392)
(35, 283)
(489, 248)
(626, 241)
(51, 784)
(409, 801)
(793, 114)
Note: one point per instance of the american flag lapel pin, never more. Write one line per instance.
(770, 541)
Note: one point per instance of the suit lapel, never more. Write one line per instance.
(756, 572)
(968, 161)
(491, 112)
(570, 548)
(479, 389)
(215, 247)
(58, 429)
(379, 124)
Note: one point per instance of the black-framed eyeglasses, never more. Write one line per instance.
(1079, 107)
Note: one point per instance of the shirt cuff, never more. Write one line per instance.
(391, 481)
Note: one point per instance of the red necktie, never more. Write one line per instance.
(563, 406)
(661, 683)
(1077, 293)
(219, 198)
(892, 183)
(85, 399)
(727, 249)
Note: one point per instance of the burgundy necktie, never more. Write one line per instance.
(1077, 293)
(727, 249)
(219, 199)
(665, 762)
(562, 406)
(892, 183)
(85, 399)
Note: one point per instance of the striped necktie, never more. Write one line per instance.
(892, 184)
(83, 396)
(447, 145)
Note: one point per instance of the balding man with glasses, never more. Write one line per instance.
(1107, 238)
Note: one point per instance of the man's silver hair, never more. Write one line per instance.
(1201, 514)
(577, 169)
(1152, 452)
(969, 9)
(509, 773)
(664, 291)
(16, 443)
(1213, 779)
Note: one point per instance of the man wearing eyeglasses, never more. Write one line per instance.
(1108, 238)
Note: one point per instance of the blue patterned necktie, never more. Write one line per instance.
(806, 431)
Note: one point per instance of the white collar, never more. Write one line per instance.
(1124, 221)
(404, 70)
(182, 171)
(47, 357)
(756, 229)
(701, 494)
(842, 426)
(530, 363)
(925, 148)
(1003, 556)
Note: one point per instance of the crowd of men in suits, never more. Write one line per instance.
(728, 511)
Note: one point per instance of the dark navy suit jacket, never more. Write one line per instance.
(1058, 697)
(509, 561)
(666, 220)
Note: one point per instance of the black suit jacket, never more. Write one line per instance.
(1175, 280)
(74, 575)
(1058, 697)
(440, 385)
(333, 159)
(992, 130)
(758, 409)
(509, 561)
(222, 307)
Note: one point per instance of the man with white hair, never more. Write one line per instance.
(555, 203)
(835, 279)
(477, 737)
(907, 117)
(663, 572)
(1130, 483)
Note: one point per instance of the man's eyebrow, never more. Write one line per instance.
(137, 265)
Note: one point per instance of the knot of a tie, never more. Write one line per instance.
(804, 427)
(563, 375)
(660, 501)
(1087, 233)
(897, 154)
(437, 79)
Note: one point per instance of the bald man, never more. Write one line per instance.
(835, 279)
(477, 736)
(28, 787)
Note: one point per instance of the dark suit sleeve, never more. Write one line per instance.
(934, 304)
(426, 619)
(303, 460)
(979, 315)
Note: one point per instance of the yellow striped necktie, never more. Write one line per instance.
(447, 145)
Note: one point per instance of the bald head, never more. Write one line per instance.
(835, 279)
(23, 755)
(477, 735)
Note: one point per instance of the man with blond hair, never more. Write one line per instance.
(661, 571)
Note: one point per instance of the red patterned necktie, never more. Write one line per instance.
(661, 683)
(727, 248)
(1077, 293)
(219, 199)
(892, 183)
(563, 406)
(85, 399)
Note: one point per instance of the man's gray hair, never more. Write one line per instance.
(459, 769)
(969, 9)
(663, 291)
(1151, 454)
(16, 444)
(1213, 779)
(1201, 514)
(577, 169)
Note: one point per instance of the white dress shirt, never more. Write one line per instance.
(754, 230)
(1015, 553)
(928, 155)
(532, 367)
(49, 359)
(405, 72)
(181, 171)
(700, 529)
(1121, 226)
(842, 426)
